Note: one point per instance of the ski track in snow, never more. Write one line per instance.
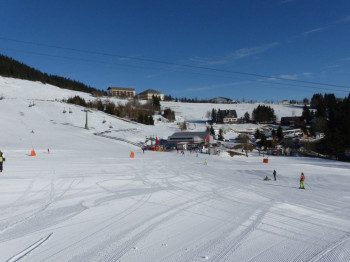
(28, 250)
(126, 246)
(34, 214)
(324, 251)
(102, 228)
(227, 251)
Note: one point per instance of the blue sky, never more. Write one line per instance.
(265, 50)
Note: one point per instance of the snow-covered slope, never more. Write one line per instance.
(197, 111)
(89, 201)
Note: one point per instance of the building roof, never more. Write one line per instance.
(150, 91)
(291, 118)
(121, 88)
(230, 113)
(221, 98)
(202, 135)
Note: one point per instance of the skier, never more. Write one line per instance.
(205, 162)
(267, 178)
(302, 179)
(274, 174)
(2, 159)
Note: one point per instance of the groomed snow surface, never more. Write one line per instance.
(87, 200)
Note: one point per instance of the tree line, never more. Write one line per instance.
(332, 117)
(12, 68)
(133, 109)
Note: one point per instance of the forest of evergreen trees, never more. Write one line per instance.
(12, 68)
(264, 114)
(332, 117)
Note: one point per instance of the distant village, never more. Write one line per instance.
(289, 136)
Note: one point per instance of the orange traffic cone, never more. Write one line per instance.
(32, 153)
(132, 155)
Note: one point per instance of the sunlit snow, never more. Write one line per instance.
(87, 200)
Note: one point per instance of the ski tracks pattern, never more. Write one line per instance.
(222, 248)
(231, 247)
(28, 250)
(145, 230)
(325, 253)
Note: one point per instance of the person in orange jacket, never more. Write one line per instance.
(302, 179)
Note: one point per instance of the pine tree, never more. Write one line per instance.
(279, 133)
(264, 114)
(263, 140)
(306, 115)
(156, 102)
(141, 118)
(246, 116)
(151, 120)
(212, 131)
(220, 116)
(221, 136)
(213, 116)
(257, 134)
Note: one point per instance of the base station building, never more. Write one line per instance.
(190, 139)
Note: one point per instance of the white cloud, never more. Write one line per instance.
(307, 74)
(290, 77)
(233, 56)
(316, 30)
(203, 61)
(329, 25)
(250, 51)
(217, 86)
(331, 66)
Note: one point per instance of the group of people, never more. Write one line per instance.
(302, 179)
(2, 159)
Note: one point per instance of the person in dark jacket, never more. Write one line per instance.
(274, 174)
(2, 159)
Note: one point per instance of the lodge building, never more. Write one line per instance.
(121, 92)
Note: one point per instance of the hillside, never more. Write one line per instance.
(87, 200)
(27, 92)
(13, 68)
